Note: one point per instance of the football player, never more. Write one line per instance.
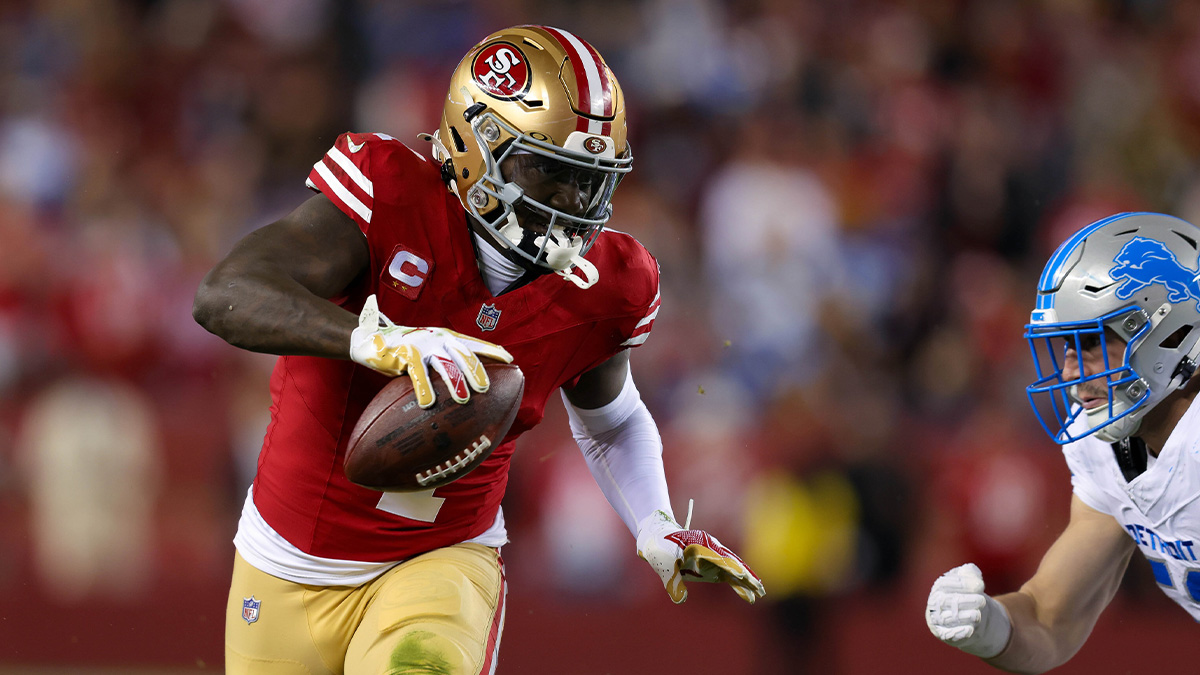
(497, 249)
(1115, 344)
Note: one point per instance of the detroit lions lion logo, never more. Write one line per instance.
(1143, 262)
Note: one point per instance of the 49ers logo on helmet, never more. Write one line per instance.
(594, 145)
(502, 71)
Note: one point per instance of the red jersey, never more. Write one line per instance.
(424, 273)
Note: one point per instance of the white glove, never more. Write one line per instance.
(675, 553)
(962, 615)
(394, 350)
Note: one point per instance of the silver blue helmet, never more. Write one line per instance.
(1134, 274)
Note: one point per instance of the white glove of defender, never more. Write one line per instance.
(675, 553)
(394, 350)
(960, 614)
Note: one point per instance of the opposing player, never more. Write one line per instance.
(1115, 343)
(499, 241)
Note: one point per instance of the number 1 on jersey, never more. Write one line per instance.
(422, 506)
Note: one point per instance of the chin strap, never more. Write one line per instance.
(1131, 456)
(1185, 369)
(1119, 430)
(442, 156)
(587, 275)
(585, 267)
(565, 262)
(440, 152)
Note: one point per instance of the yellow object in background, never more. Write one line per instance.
(801, 533)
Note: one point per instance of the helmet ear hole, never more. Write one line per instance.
(458, 141)
(1175, 339)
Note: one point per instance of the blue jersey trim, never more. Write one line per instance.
(1161, 574)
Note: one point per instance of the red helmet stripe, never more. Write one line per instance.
(591, 126)
(605, 85)
(595, 89)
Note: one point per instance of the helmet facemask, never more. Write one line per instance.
(555, 240)
(1055, 396)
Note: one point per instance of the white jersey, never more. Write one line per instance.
(1159, 508)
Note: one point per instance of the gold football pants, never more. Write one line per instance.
(441, 612)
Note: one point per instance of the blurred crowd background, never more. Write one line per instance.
(850, 202)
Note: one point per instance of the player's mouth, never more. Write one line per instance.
(539, 224)
(1089, 398)
(533, 221)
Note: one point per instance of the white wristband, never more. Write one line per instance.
(995, 629)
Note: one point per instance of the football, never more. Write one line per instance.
(396, 446)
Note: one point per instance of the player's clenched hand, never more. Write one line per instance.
(962, 615)
(397, 350)
(680, 555)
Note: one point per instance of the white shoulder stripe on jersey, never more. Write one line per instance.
(385, 137)
(352, 171)
(648, 319)
(341, 192)
(636, 340)
(591, 67)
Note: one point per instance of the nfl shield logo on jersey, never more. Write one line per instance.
(250, 609)
(488, 317)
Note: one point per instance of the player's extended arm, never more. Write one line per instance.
(623, 450)
(1042, 625)
(619, 440)
(270, 294)
(1055, 611)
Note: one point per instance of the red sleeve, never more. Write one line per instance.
(366, 173)
(626, 307)
(644, 301)
(343, 175)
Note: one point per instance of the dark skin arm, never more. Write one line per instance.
(270, 294)
(600, 385)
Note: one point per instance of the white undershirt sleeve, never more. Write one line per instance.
(623, 450)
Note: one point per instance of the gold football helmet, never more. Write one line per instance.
(542, 91)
